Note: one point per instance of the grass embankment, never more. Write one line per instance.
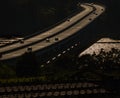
(103, 66)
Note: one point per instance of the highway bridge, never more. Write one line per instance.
(54, 36)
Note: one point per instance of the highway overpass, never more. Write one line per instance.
(54, 36)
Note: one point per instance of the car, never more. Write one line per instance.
(21, 41)
(29, 49)
(47, 40)
(56, 38)
(90, 19)
(68, 19)
(95, 13)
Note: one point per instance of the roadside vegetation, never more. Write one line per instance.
(101, 67)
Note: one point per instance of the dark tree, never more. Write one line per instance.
(27, 66)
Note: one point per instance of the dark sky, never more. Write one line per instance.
(18, 15)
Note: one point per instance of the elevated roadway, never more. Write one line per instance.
(51, 32)
(62, 31)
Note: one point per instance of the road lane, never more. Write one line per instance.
(50, 32)
(63, 35)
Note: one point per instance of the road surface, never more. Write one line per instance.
(62, 31)
(51, 32)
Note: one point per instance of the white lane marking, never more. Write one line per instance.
(42, 65)
(59, 55)
(68, 49)
(72, 46)
(48, 62)
(76, 44)
(64, 52)
(53, 58)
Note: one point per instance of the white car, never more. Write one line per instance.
(47, 40)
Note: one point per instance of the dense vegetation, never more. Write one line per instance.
(103, 67)
(88, 67)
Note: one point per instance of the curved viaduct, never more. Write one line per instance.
(56, 37)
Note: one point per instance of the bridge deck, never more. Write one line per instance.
(91, 15)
